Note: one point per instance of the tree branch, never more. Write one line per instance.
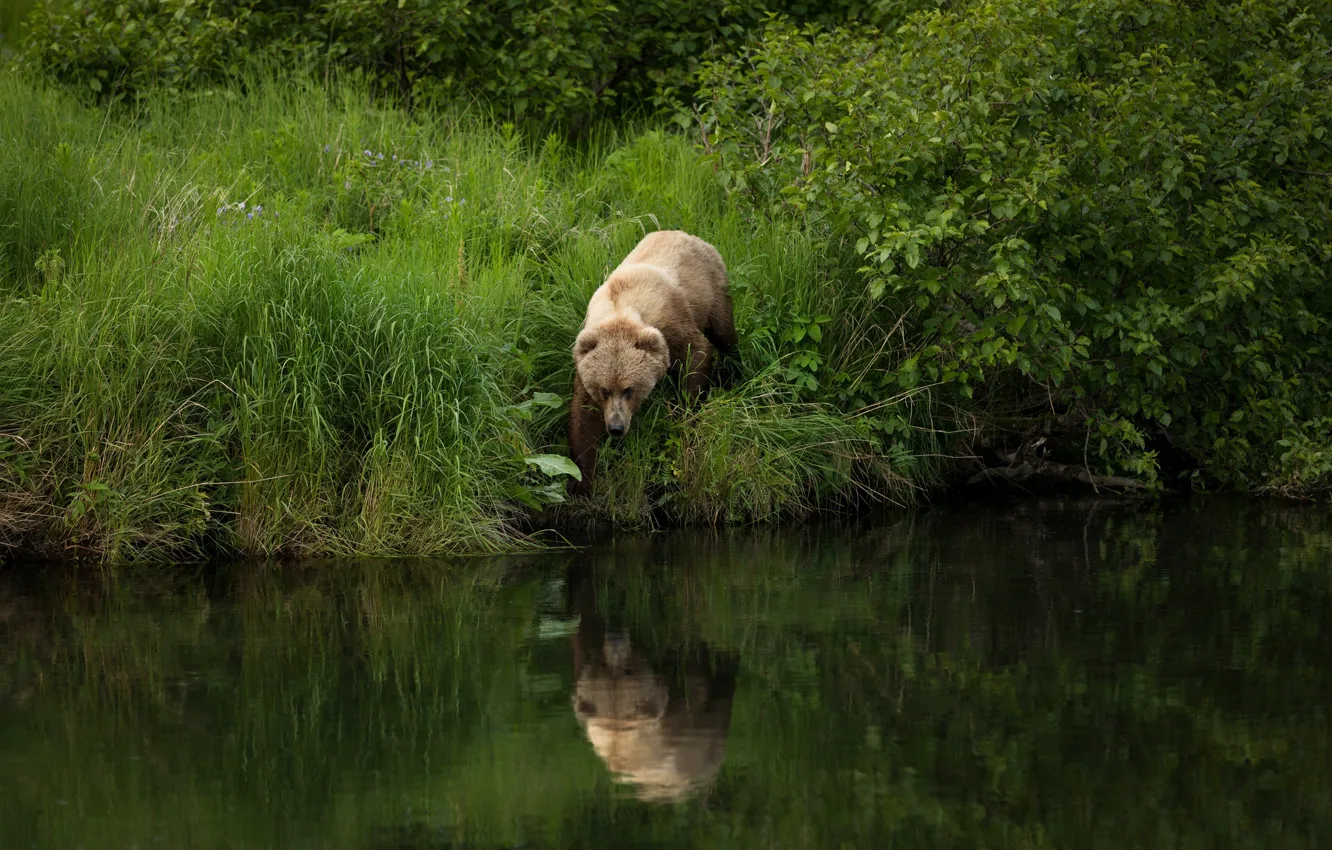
(1048, 470)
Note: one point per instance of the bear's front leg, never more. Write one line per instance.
(699, 376)
(586, 425)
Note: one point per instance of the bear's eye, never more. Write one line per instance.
(628, 391)
(605, 393)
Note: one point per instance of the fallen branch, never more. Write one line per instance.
(1043, 469)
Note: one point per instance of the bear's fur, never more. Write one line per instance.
(660, 728)
(668, 304)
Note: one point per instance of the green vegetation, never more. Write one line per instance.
(13, 25)
(289, 321)
(550, 59)
(1109, 218)
(1094, 234)
(1086, 677)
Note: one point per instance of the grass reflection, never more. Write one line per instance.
(1041, 677)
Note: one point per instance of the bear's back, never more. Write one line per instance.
(667, 270)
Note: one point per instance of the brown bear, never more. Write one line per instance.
(661, 728)
(668, 304)
(667, 745)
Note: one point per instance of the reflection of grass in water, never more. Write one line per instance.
(981, 673)
(905, 684)
(290, 694)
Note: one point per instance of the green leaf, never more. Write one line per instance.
(553, 465)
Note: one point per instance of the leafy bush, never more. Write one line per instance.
(563, 59)
(1108, 219)
(113, 48)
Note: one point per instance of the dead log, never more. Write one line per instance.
(1045, 471)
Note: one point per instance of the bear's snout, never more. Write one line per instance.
(617, 425)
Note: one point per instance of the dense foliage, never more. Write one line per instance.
(1108, 218)
(564, 58)
(1090, 234)
(13, 24)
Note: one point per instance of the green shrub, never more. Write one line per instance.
(1107, 219)
(116, 47)
(565, 60)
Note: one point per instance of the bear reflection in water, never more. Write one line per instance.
(660, 728)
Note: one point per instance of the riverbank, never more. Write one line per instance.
(282, 316)
(290, 320)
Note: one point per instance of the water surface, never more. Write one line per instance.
(1061, 675)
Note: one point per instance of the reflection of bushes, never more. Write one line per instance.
(1067, 677)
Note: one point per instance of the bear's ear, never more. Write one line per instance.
(586, 341)
(651, 341)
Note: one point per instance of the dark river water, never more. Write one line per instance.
(1055, 675)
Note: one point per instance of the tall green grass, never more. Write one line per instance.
(280, 317)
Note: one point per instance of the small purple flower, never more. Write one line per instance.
(242, 205)
(249, 215)
(325, 148)
(448, 199)
(430, 163)
(379, 156)
(395, 157)
(220, 210)
(462, 201)
(447, 169)
(367, 152)
(259, 209)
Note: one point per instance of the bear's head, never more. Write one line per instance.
(619, 362)
(668, 746)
